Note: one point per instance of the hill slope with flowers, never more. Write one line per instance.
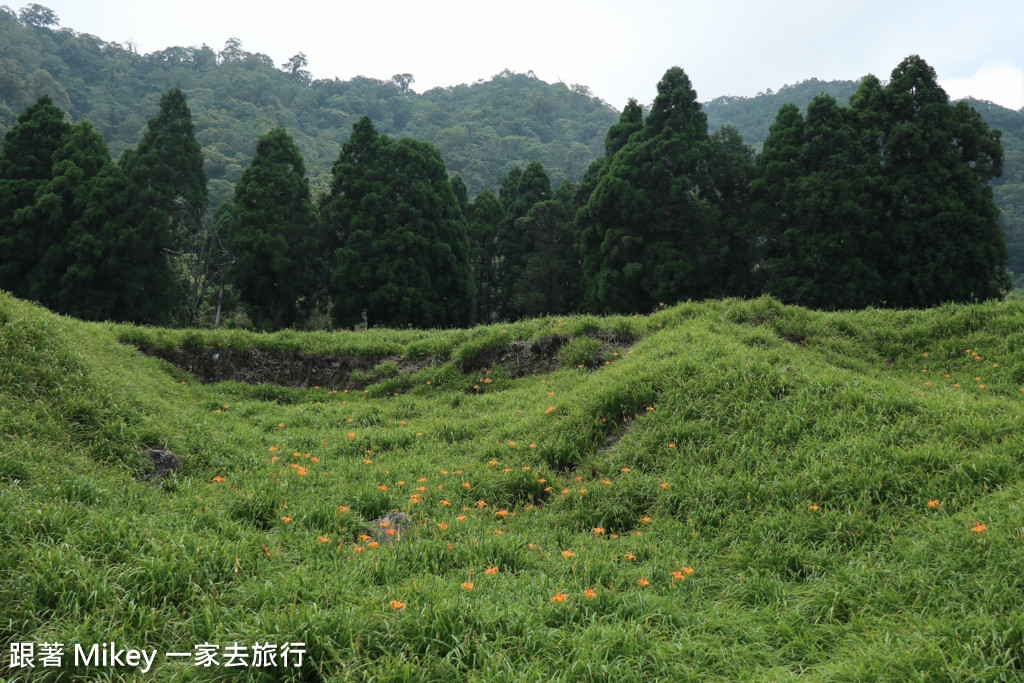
(716, 491)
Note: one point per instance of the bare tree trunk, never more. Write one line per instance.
(220, 298)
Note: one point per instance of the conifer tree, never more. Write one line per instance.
(731, 169)
(103, 280)
(648, 231)
(630, 121)
(549, 282)
(521, 190)
(945, 243)
(26, 165)
(166, 191)
(813, 205)
(882, 203)
(271, 234)
(401, 249)
(62, 205)
(484, 214)
(167, 164)
(590, 233)
(461, 193)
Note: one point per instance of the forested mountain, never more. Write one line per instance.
(752, 116)
(483, 130)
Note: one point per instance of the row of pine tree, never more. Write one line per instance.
(882, 202)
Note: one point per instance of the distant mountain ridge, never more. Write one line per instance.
(753, 116)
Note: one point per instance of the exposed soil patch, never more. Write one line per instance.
(302, 371)
(538, 356)
(256, 366)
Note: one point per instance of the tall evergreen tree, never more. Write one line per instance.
(944, 235)
(461, 193)
(732, 171)
(630, 121)
(169, 159)
(271, 234)
(590, 233)
(814, 205)
(402, 252)
(649, 231)
(26, 165)
(549, 282)
(61, 205)
(100, 282)
(484, 214)
(167, 190)
(522, 189)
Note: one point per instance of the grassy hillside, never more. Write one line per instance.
(730, 490)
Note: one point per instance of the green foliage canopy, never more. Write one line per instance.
(25, 169)
(400, 246)
(271, 234)
(883, 203)
(651, 230)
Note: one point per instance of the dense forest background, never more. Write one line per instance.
(513, 136)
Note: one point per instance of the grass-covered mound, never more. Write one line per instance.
(731, 490)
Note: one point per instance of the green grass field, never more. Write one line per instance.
(730, 490)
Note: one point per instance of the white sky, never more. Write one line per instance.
(620, 49)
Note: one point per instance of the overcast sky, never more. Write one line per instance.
(620, 49)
